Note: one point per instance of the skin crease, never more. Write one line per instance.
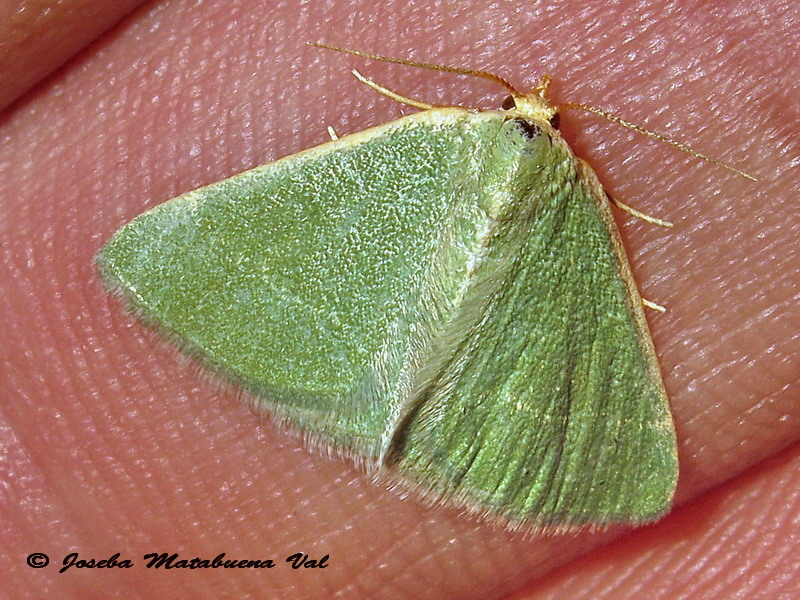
(114, 443)
(38, 37)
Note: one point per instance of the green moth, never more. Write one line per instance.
(444, 298)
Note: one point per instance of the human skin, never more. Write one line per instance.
(39, 37)
(115, 443)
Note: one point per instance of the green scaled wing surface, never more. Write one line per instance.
(444, 298)
(547, 402)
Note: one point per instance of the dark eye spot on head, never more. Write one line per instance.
(555, 120)
(530, 130)
(509, 103)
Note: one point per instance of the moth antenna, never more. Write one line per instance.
(423, 65)
(656, 136)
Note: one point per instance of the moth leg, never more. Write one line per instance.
(332, 133)
(394, 95)
(638, 214)
(652, 305)
(644, 217)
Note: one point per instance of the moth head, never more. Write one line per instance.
(535, 105)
